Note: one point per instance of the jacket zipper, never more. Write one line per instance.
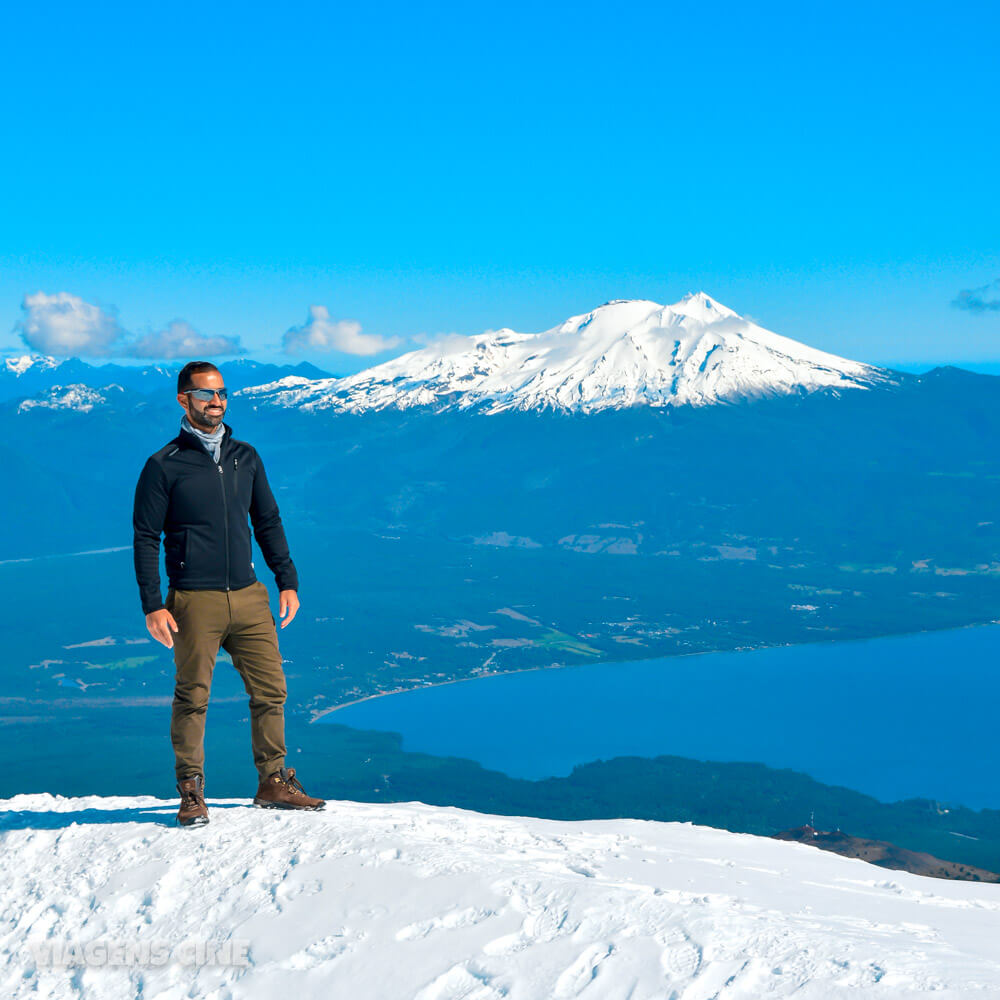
(225, 517)
(236, 489)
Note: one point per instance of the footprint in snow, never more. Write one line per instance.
(680, 958)
(798, 966)
(320, 952)
(583, 971)
(457, 918)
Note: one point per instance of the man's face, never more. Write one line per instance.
(206, 416)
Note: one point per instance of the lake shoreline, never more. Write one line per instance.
(319, 714)
(873, 713)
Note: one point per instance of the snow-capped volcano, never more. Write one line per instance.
(624, 353)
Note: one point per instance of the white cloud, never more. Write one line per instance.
(321, 333)
(63, 324)
(181, 340)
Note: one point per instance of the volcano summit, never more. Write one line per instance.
(622, 354)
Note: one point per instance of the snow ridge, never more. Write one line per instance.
(371, 901)
(625, 353)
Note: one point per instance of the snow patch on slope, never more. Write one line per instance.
(26, 362)
(77, 396)
(409, 900)
(625, 353)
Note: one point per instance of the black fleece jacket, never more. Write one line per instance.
(201, 509)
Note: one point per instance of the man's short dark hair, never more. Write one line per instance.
(193, 368)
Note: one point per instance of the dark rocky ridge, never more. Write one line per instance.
(886, 855)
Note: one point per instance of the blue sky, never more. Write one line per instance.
(412, 170)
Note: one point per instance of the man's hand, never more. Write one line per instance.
(288, 603)
(159, 624)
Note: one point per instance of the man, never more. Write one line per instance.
(198, 490)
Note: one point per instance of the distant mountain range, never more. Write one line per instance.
(70, 383)
(623, 354)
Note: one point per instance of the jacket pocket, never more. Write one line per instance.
(175, 546)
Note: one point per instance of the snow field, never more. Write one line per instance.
(416, 901)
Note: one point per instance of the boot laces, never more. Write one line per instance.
(288, 778)
(192, 796)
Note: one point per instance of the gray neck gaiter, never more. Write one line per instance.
(212, 442)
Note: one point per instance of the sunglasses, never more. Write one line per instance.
(205, 395)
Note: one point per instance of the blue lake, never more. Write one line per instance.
(897, 717)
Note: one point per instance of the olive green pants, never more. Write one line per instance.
(241, 623)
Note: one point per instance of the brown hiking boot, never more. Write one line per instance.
(282, 790)
(193, 811)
